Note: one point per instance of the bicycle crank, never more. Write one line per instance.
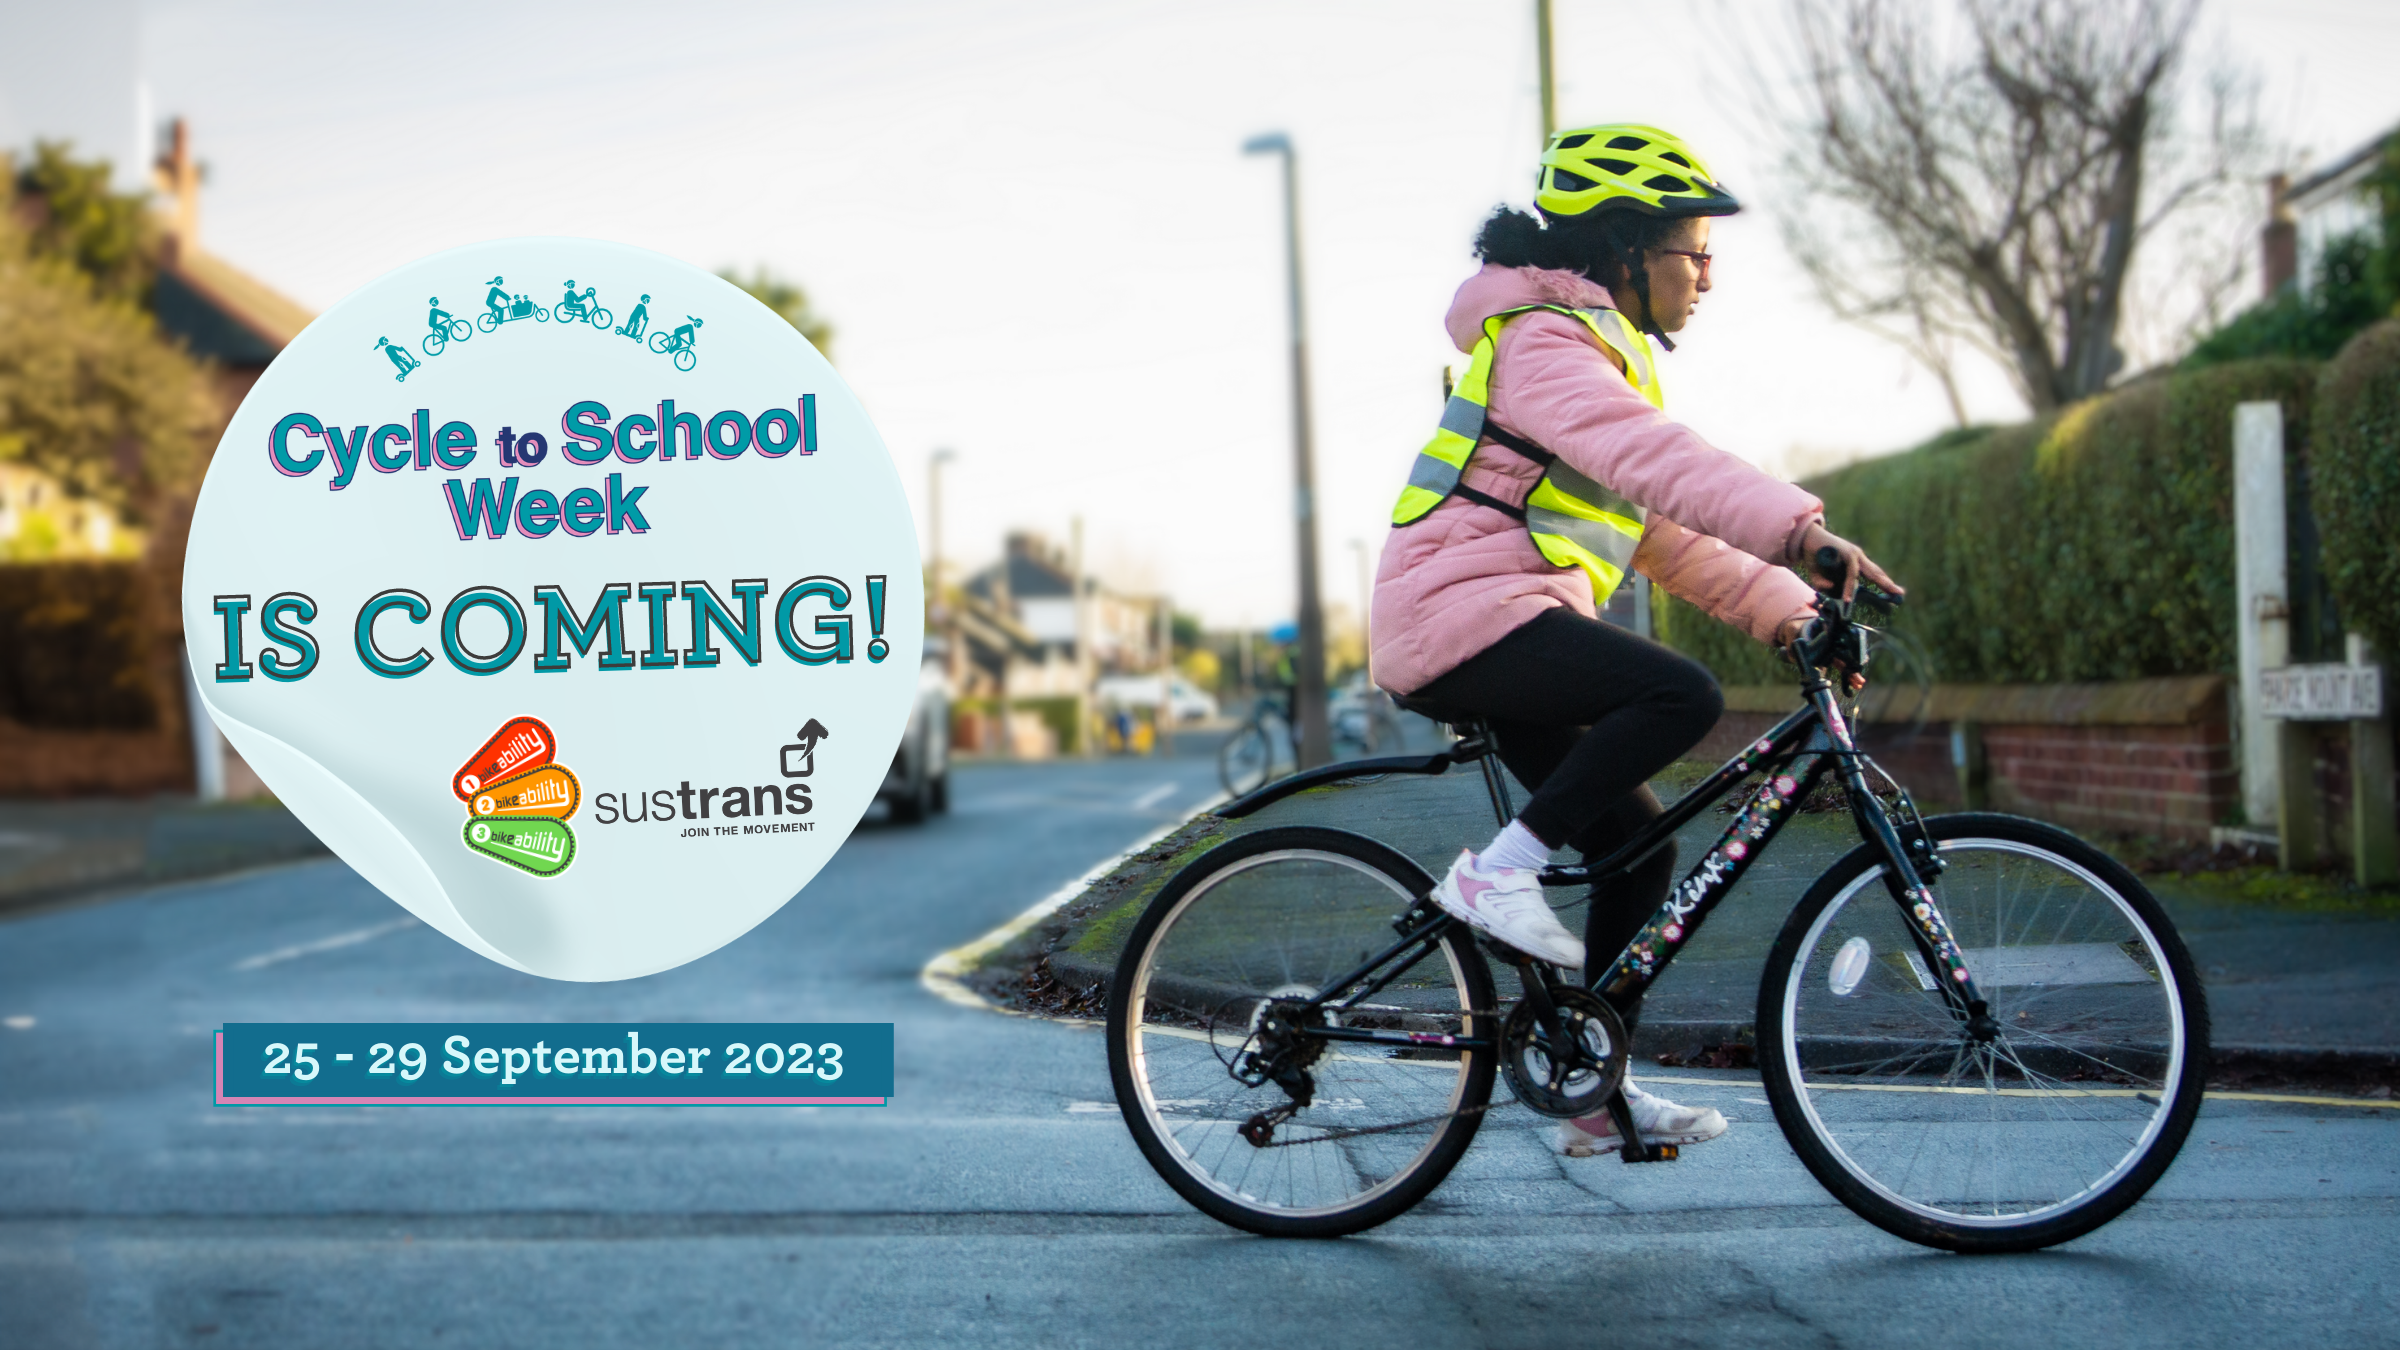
(1578, 1078)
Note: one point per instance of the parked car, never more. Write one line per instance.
(1185, 702)
(918, 784)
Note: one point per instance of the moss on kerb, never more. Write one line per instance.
(1104, 935)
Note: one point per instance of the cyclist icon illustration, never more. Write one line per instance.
(500, 307)
(636, 321)
(585, 306)
(679, 343)
(446, 327)
(399, 355)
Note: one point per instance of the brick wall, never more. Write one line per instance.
(2153, 757)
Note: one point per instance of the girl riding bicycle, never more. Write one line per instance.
(1554, 473)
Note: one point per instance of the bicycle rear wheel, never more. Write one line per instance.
(2041, 1135)
(1276, 915)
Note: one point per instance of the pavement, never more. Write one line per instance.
(998, 1200)
(2295, 993)
(80, 848)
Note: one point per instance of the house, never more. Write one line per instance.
(2305, 216)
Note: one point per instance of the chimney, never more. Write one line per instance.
(2279, 242)
(178, 180)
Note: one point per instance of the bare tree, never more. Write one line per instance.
(1983, 173)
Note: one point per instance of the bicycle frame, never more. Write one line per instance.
(1794, 759)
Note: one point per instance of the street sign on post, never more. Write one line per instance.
(2321, 693)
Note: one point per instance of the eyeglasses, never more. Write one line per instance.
(1699, 259)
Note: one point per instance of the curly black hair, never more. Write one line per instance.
(1608, 246)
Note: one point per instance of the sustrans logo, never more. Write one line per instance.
(731, 810)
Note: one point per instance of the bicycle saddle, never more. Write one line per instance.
(1447, 713)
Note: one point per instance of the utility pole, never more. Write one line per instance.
(1366, 593)
(1316, 738)
(1083, 643)
(1541, 42)
(1642, 625)
(937, 598)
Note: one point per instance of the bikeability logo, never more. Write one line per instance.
(518, 799)
(679, 343)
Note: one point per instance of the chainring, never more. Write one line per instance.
(1598, 1067)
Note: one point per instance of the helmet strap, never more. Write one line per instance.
(1637, 271)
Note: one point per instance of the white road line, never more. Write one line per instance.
(941, 975)
(349, 939)
(1154, 796)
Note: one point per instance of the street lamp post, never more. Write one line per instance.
(1316, 740)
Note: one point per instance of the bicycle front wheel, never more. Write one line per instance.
(1247, 760)
(2044, 1132)
(1280, 914)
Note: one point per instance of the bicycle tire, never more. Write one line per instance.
(435, 344)
(2059, 1125)
(601, 318)
(658, 342)
(1257, 917)
(1246, 762)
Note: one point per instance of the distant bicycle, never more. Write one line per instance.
(519, 308)
(678, 344)
(584, 308)
(1266, 746)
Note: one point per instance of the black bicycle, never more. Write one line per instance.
(1978, 1031)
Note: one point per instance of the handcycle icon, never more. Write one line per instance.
(584, 308)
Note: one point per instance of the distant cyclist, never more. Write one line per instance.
(1556, 472)
(496, 301)
(439, 319)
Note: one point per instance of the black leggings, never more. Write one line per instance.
(1584, 713)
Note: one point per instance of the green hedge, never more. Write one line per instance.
(2357, 474)
(74, 647)
(2094, 545)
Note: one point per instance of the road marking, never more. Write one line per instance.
(20, 1022)
(1154, 796)
(941, 975)
(338, 940)
(2295, 1099)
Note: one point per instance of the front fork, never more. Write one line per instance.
(1907, 882)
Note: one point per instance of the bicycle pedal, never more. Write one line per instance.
(1647, 1153)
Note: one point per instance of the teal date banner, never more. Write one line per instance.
(554, 1064)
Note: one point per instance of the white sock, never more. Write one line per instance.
(1515, 846)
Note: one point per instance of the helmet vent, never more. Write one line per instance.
(1666, 183)
(1672, 158)
(1563, 181)
(1611, 165)
(1570, 142)
(1628, 143)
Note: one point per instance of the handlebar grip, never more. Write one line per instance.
(1830, 565)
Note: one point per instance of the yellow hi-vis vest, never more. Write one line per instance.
(1574, 521)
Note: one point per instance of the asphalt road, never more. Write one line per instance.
(998, 1200)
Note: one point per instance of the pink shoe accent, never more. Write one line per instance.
(1470, 887)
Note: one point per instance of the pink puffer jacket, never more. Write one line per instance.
(1466, 576)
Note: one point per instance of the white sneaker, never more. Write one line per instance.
(1660, 1121)
(1507, 903)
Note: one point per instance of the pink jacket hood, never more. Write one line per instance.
(1461, 578)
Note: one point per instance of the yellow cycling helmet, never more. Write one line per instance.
(1625, 166)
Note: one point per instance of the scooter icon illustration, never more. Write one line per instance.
(399, 355)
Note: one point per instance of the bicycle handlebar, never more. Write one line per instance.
(1830, 566)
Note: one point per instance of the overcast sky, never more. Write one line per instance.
(1031, 224)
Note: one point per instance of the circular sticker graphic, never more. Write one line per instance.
(566, 593)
